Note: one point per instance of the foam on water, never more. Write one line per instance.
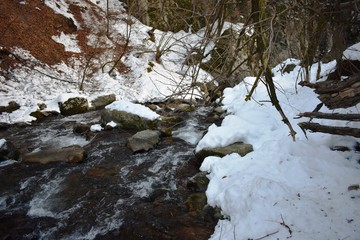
(7, 162)
(189, 132)
(39, 206)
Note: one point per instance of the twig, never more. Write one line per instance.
(267, 235)
(285, 225)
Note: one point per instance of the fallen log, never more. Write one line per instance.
(331, 116)
(338, 94)
(316, 127)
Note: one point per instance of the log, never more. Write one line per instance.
(331, 116)
(316, 127)
(338, 94)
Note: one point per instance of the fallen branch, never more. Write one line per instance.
(336, 93)
(332, 116)
(316, 127)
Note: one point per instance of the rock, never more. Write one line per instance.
(73, 106)
(11, 107)
(101, 101)
(71, 154)
(195, 203)
(80, 128)
(211, 214)
(241, 148)
(143, 141)
(128, 120)
(8, 151)
(172, 120)
(153, 107)
(183, 107)
(42, 114)
(198, 183)
(166, 124)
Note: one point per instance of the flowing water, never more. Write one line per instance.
(114, 194)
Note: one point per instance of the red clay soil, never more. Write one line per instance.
(30, 26)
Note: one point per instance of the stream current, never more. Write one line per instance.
(114, 194)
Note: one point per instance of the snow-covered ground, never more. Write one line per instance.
(284, 189)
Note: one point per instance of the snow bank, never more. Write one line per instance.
(284, 189)
(353, 52)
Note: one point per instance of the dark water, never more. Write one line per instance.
(114, 194)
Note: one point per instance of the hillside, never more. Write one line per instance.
(71, 52)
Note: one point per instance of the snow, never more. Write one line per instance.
(283, 189)
(352, 53)
(111, 124)
(96, 128)
(133, 108)
(69, 41)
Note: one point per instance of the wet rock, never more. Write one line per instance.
(11, 107)
(240, 148)
(198, 183)
(128, 120)
(8, 151)
(80, 128)
(42, 114)
(166, 124)
(101, 101)
(144, 140)
(211, 214)
(184, 107)
(171, 120)
(74, 106)
(71, 154)
(195, 203)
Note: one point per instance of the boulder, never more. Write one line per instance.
(239, 147)
(144, 140)
(128, 120)
(101, 101)
(74, 106)
(71, 154)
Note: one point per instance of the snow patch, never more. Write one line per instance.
(69, 41)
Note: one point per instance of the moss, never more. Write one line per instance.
(195, 203)
(74, 106)
(128, 121)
